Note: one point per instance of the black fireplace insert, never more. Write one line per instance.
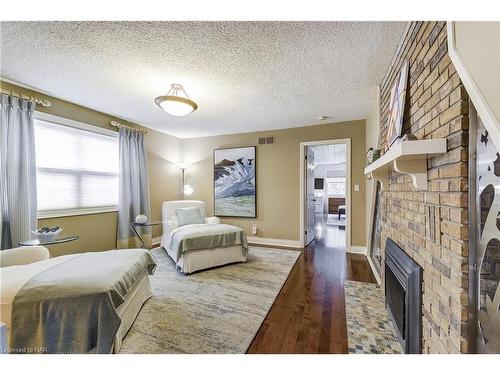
(403, 296)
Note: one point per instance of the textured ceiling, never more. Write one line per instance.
(245, 76)
(329, 154)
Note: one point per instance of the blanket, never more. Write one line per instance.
(71, 307)
(203, 236)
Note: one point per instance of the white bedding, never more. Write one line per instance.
(196, 260)
(12, 279)
(167, 237)
(203, 259)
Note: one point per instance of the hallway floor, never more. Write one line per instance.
(309, 314)
(330, 235)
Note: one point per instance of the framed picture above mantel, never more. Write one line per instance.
(235, 188)
(397, 107)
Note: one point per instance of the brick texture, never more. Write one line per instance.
(431, 226)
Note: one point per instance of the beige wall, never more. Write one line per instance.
(278, 175)
(164, 175)
(98, 231)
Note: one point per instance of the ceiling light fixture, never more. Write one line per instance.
(176, 102)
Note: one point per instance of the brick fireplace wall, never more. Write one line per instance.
(431, 226)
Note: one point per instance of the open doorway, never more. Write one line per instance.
(326, 193)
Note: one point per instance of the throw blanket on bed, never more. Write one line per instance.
(203, 236)
(71, 307)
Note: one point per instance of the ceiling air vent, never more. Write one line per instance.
(267, 140)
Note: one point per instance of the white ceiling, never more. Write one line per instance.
(329, 154)
(245, 76)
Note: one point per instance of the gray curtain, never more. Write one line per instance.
(17, 170)
(134, 186)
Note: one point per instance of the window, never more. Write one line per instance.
(77, 167)
(336, 186)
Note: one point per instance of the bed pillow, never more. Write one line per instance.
(188, 215)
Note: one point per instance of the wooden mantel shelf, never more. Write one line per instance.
(408, 157)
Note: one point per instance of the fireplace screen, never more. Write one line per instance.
(403, 296)
(396, 300)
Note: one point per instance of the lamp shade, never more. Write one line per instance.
(188, 190)
(176, 102)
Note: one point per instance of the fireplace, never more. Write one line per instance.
(403, 296)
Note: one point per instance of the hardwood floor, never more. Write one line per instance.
(308, 315)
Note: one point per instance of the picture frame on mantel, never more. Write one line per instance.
(397, 107)
(235, 188)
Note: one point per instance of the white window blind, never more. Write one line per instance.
(76, 169)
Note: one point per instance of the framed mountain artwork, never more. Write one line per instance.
(396, 107)
(235, 193)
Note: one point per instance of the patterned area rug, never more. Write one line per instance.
(214, 311)
(369, 329)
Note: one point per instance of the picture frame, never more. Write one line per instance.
(397, 107)
(235, 182)
(374, 234)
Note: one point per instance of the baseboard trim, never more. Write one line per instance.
(358, 250)
(374, 271)
(156, 241)
(263, 241)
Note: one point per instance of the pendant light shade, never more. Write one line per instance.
(176, 102)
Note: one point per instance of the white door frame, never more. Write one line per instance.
(302, 189)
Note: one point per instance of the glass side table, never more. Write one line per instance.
(149, 223)
(54, 241)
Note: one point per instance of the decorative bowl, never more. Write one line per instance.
(141, 219)
(47, 234)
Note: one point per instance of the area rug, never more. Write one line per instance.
(213, 311)
(369, 329)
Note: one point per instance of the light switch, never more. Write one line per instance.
(356, 187)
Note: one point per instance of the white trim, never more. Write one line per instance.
(358, 250)
(487, 116)
(76, 212)
(156, 241)
(302, 146)
(273, 242)
(74, 124)
(374, 271)
(407, 157)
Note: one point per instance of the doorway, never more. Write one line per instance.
(325, 193)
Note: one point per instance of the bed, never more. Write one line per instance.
(202, 245)
(37, 295)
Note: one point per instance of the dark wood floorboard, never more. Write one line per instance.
(308, 315)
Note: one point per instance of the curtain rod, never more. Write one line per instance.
(37, 100)
(119, 125)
